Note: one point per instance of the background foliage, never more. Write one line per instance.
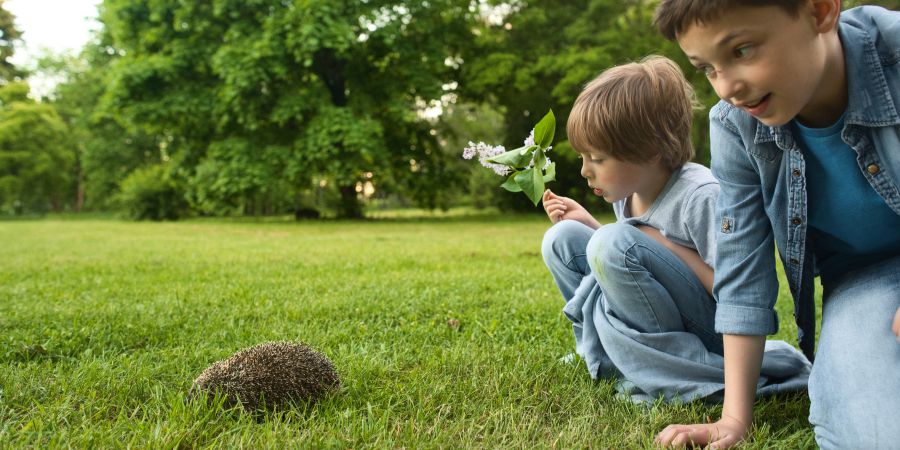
(266, 107)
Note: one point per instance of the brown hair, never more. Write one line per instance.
(636, 112)
(674, 16)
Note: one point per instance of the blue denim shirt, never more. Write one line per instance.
(761, 172)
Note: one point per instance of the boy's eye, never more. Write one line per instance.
(743, 51)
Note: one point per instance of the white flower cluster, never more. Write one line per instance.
(530, 140)
(546, 164)
(484, 153)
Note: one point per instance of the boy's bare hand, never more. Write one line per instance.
(896, 326)
(725, 433)
(564, 208)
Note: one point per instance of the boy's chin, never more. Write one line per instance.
(609, 199)
(774, 120)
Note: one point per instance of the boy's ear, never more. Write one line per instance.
(826, 14)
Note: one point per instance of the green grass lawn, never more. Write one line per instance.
(104, 325)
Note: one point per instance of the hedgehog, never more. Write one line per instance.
(269, 376)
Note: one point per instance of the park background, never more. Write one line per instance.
(226, 118)
(260, 108)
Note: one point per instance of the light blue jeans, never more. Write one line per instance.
(641, 316)
(854, 388)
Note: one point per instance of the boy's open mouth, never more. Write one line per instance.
(758, 107)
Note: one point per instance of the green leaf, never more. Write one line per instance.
(525, 180)
(511, 185)
(539, 159)
(538, 186)
(550, 174)
(544, 130)
(517, 158)
(532, 183)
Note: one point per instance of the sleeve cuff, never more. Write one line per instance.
(746, 320)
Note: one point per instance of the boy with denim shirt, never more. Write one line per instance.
(806, 148)
(637, 291)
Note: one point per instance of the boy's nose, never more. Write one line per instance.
(728, 87)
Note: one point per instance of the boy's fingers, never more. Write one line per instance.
(556, 212)
(554, 204)
(665, 436)
(679, 436)
(723, 443)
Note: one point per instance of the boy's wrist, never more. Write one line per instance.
(738, 423)
(743, 361)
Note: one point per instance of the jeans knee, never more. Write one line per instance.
(561, 239)
(608, 246)
(851, 388)
(855, 435)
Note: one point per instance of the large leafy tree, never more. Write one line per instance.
(105, 148)
(35, 160)
(253, 98)
(9, 37)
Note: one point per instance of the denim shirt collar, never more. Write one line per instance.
(869, 103)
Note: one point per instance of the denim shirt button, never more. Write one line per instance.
(794, 261)
(796, 172)
(795, 221)
(873, 169)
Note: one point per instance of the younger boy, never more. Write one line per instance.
(806, 148)
(637, 291)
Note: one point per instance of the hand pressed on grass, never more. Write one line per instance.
(724, 433)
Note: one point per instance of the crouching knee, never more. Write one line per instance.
(609, 244)
(563, 240)
(844, 436)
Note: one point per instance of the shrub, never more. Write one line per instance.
(150, 193)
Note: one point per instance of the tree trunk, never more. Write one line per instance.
(350, 207)
(330, 69)
(79, 187)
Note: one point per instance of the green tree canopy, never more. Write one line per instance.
(34, 159)
(250, 97)
(263, 106)
(9, 37)
(105, 148)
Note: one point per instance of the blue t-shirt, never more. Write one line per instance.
(851, 226)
